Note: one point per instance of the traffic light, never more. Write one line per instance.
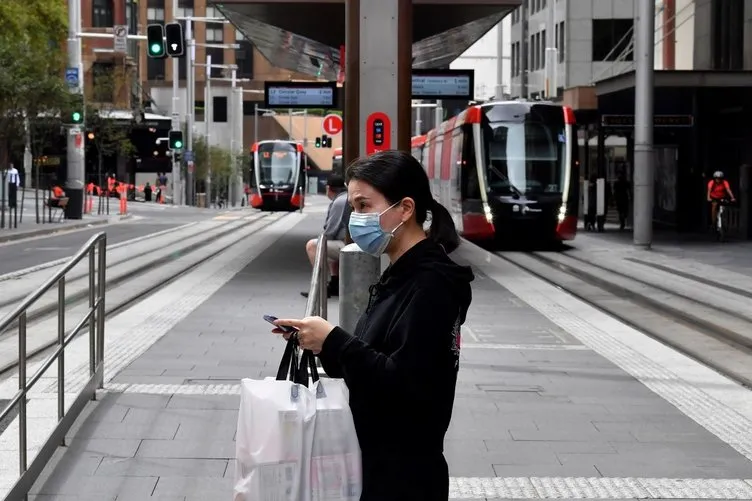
(176, 139)
(73, 112)
(326, 141)
(155, 45)
(175, 46)
(318, 142)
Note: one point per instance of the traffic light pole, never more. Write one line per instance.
(189, 109)
(207, 117)
(74, 185)
(177, 192)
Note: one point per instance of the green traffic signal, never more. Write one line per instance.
(175, 138)
(318, 142)
(155, 41)
(76, 117)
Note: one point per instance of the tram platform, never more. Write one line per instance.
(555, 398)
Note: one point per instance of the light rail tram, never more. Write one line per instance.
(506, 170)
(278, 172)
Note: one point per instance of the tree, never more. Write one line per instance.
(109, 136)
(32, 63)
(221, 159)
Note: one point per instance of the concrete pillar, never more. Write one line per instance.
(378, 80)
(644, 180)
(351, 118)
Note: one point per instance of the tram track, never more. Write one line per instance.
(696, 320)
(123, 290)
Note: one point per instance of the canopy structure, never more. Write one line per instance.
(309, 41)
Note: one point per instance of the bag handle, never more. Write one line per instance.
(288, 366)
(307, 363)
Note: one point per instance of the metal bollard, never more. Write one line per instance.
(357, 272)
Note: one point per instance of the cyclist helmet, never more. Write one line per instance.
(718, 174)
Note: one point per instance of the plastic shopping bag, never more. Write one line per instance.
(336, 473)
(275, 435)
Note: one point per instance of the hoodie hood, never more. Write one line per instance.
(428, 257)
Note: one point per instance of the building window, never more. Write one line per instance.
(611, 39)
(213, 12)
(217, 57)
(244, 59)
(542, 49)
(727, 28)
(215, 33)
(101, 14)
(185, 8)
(560, 40)
(219, 109)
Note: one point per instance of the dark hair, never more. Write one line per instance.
(336, 182)
(397, 175)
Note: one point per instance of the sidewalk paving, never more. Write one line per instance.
(541, 410)
(695, 254)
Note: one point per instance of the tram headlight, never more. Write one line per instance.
(489, 214)
(562, 213)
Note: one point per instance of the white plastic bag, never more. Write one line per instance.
(274, 440)
(336, 473)
(294, 443)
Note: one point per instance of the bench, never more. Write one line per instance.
(62, 202)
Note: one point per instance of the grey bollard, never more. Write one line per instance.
(357, 272)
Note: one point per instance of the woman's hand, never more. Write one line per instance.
(312, 331)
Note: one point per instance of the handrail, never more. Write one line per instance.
(317, 296)
(95, 249)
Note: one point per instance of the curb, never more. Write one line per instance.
(49, 231)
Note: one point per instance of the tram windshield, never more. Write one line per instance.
(525, 149)
(277, 163)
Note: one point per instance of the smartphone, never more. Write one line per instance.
(271, 319)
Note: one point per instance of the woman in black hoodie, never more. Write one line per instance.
(401, 362)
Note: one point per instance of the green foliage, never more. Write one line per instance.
(222, 162)
(111, 137)
(31, 80)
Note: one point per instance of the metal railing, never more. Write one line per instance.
(95, 250)
(317, 293)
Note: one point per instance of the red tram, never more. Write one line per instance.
(506, 170)
(278, 170)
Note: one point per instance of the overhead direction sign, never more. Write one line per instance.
(300, 94)
(332, 124)
(443, 84)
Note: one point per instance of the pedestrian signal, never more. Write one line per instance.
(175, 41)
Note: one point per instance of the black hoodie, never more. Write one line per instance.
(401, 363)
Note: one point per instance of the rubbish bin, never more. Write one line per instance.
(201, 200)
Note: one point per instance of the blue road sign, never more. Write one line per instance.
(188, 156)
(71, 76)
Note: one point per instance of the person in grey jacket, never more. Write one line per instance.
(335, 228)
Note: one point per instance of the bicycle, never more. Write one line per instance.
(720, 222)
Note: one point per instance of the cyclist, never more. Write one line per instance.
(718, 189)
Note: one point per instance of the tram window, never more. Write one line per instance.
(469, 178)
(524, 157)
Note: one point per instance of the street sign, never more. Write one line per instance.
(332, 124)
(188, 156)
(120, 43)
(71, 77)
